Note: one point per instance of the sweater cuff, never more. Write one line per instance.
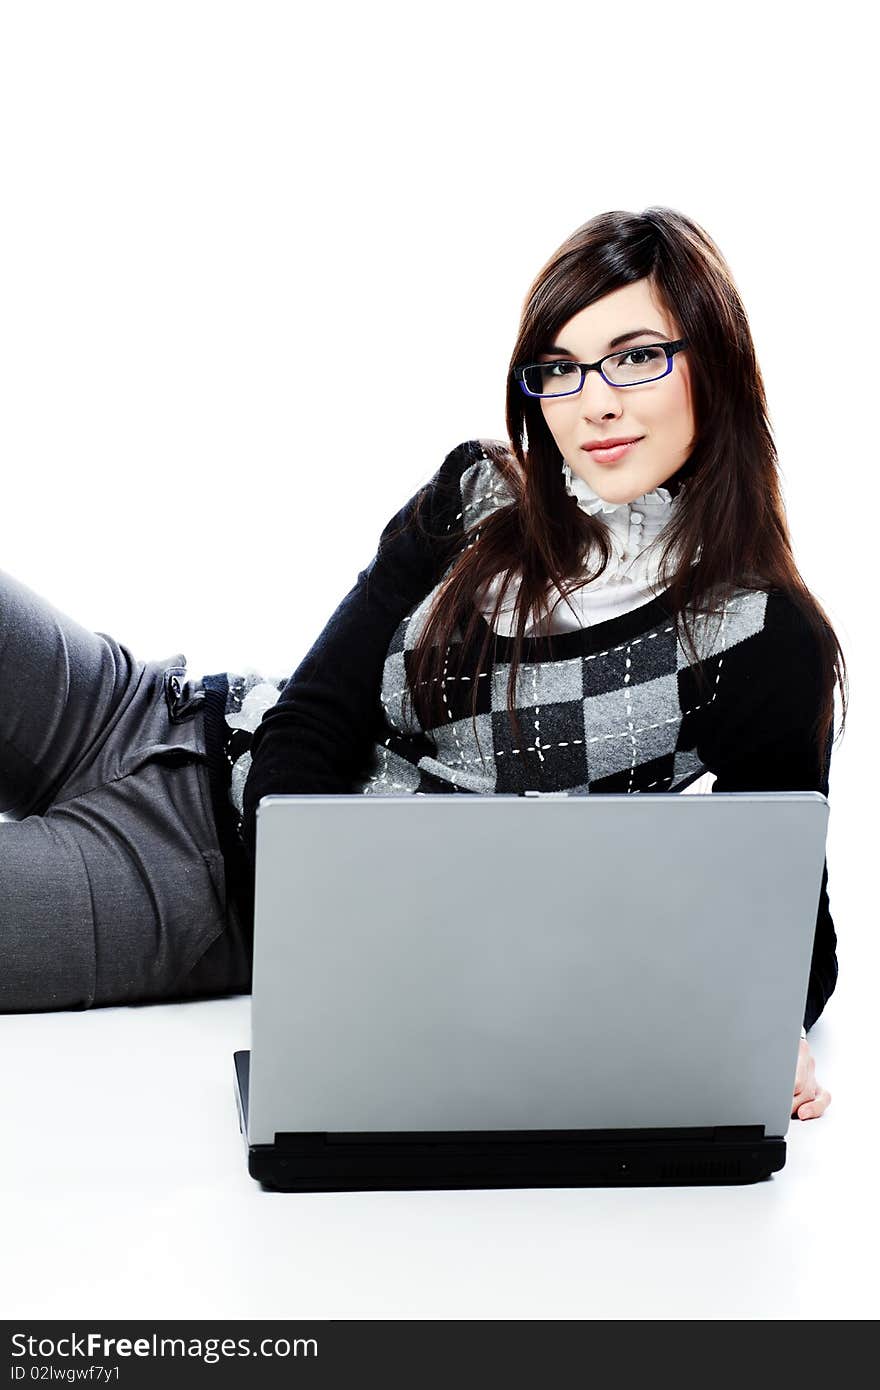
(803, 1031)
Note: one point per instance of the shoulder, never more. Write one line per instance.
(475, 478)
(485, 472)
(765, 618)
(758, 727)
(797, 639)
(781, 620)
(470, 482)
(763, 649)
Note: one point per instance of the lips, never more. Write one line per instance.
(611, 443)
(605, 454)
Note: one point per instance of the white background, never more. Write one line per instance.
(201, 199)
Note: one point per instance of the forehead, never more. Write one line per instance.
(632, 306)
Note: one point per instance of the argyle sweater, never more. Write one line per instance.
(613, 707)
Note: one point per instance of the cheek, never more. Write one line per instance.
(683, 395)
(671, 410)
(561, 424)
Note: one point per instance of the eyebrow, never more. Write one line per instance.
(615, 342)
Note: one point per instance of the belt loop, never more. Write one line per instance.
(181, 699)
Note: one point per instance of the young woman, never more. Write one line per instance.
(608, 602)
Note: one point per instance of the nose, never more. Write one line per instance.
(597, 398)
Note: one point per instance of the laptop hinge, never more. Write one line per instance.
(306, 1142)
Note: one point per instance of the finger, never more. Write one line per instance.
(805, 1072)
(804, 1097)
(812, 1109)
(806, 1091)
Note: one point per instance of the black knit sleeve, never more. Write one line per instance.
(762, 739)
(315, 738)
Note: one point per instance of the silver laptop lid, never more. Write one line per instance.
(504, 962)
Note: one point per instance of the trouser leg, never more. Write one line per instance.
(60, 686)
(116, 896)
(47, 947)
(111, 875)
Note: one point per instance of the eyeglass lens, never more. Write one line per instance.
(623, 369)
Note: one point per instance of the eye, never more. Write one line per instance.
(649, 354)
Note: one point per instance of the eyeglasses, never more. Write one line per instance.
(629, 368)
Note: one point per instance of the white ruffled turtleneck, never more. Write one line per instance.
(630, 577)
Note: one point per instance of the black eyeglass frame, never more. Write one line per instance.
(669, 348)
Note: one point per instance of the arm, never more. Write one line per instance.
(317, 735)
(761, 739)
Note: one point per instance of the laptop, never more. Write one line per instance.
(527, 990)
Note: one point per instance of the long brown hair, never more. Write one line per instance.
(732, 495)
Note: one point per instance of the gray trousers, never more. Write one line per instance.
(111, 876)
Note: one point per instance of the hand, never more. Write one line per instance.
(810, 1099)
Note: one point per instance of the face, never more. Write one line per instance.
(660, 412)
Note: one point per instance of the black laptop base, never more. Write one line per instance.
(507, 1158)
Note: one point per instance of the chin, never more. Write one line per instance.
(618, 489)
(622, 489)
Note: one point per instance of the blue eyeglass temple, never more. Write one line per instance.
(669, 348)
